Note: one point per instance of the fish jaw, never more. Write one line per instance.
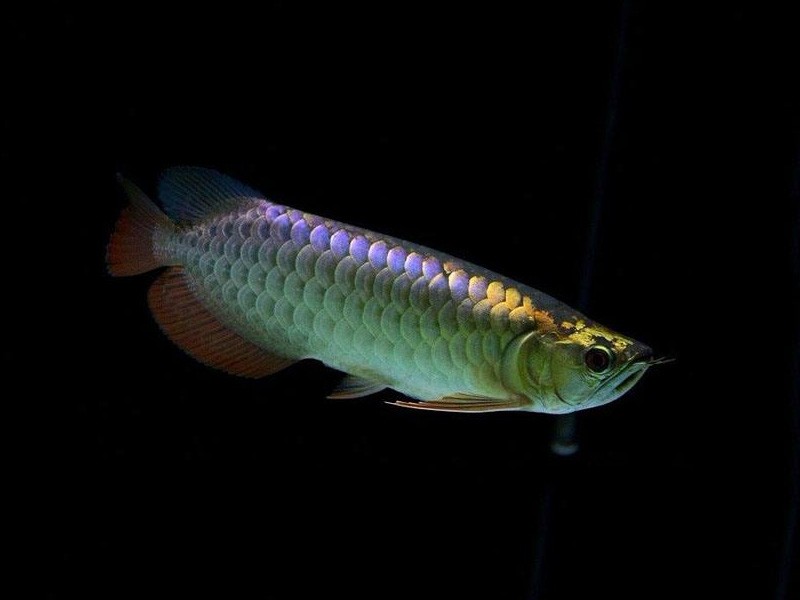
(618, 385)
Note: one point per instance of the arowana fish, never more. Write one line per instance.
(251, 286)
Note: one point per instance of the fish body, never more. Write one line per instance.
(252, 286)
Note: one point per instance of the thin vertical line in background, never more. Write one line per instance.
(601, 175)
(564, 441)
(790, 540)
(542, 534)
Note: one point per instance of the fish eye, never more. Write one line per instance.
(598, 359)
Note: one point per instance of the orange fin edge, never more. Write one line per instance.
(199, 333)
(131, 249)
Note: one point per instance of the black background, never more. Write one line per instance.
(477, 131)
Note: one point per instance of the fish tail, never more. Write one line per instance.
(132, 249)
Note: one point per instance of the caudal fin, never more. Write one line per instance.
(131, 250)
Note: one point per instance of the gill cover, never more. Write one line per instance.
(553, 375)
(523, 364)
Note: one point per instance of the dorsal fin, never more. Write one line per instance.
(190, 194)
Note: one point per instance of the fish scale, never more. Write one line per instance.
(279, 263)
(252, 286)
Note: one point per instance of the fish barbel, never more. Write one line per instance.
(251, 286)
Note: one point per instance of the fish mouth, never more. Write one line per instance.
(610, 389)
(622, 381)
(615, 386)
(629, 377)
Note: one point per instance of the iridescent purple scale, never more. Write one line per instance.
(377, 254)
(280, 229)
(359, 248)
(431, 267)
(413, 265)
(300, 232)
(459, 285)
(396, 259)
(340, 243)
(477, 288)
(320, 238)
(273, 211)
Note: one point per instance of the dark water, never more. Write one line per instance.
(145, 472)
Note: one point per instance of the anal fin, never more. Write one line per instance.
(464, 403)
(355, 387)
(197, 331)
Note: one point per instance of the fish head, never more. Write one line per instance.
(589, 366)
